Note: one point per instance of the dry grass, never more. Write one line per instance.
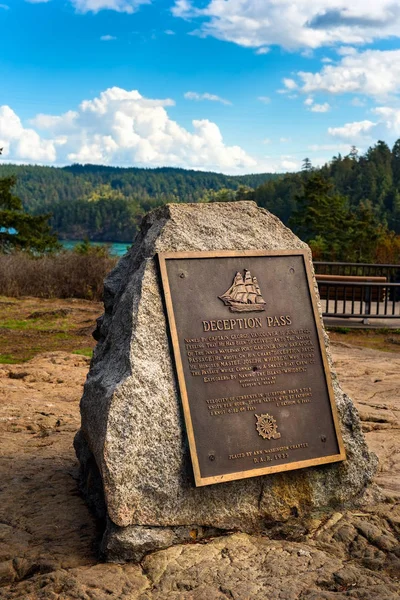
(65, 275)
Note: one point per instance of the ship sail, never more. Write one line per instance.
(244, 295)
(239, 292)
(250, 288)
(259, 298)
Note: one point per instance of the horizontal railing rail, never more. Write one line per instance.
(362, 300)
(391, 271)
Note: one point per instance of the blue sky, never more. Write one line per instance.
(235, 86)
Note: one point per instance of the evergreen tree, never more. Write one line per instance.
(323, 216)
(244, 192)
(18, 230)
(353, 153)
(307, 165)
(396, 163)
(365, 235)
(106, 203)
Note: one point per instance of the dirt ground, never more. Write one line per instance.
(49, 540)
(386, 340)
(29, 326)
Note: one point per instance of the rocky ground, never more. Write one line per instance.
(48, 538)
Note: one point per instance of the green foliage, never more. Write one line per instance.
(322, 215)
(365, 235)
(388, 249)
(84, 352)
(107, 203)
(319, 248)
(373, 178)
(85, 248)
(307, 165)
(19, 230)
(324, 219)
(279, 196)
(243, 192)
(8, 359)
(351, 205)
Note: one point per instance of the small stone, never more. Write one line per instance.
(302, 552)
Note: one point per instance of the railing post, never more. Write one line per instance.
(367, 300)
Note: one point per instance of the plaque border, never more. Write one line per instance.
(200, 481)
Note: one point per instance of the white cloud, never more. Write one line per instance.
(107, 38)
(169, 32)
(58, 125)
(284, 140)
(386, 126)
(289, 84)
(353, 131)
(389, 118)
(343, 148)
(4, 6)
(205, 96)
(123, 6)
(21, 143)
(290, 165)
(372, 73)
(184, 9)
(264, 99)
(84, 6)
(346, 51)
(120, 127)
(266, 141)
(300, 24)
(283, 163)
(262, 50)
(358, 102)
(321, 108)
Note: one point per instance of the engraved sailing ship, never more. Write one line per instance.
(244, 295)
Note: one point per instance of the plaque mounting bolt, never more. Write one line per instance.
(211, 456)
(323, 438)
(182, 275)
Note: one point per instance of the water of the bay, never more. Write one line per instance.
(116, 248)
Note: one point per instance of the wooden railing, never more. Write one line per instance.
(390, 271)
(363, 300)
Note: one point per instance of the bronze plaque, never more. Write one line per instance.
(249, 353)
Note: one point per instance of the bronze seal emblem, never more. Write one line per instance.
(267, 427)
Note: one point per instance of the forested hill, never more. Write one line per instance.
(40, 188)
(107, 203)
(371, 179)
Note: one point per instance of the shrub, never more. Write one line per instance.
(64, 275)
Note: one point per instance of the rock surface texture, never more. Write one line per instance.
(131, 445)
(47, 534)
